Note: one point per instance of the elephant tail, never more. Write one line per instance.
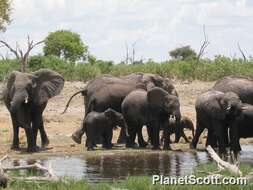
(83, 92)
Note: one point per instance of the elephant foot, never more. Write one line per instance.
(33, 149)
(156, 148)
(15, 147)
(45, 144)
(121, 141)
(77, 138)
(131, 145)
(143, 145)
(107, 146)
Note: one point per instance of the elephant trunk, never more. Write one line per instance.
(175, 118)
(17, 101)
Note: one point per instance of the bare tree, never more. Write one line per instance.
(20, 54)
(203, 46)
(127, 54)
(133, 52)
(243, 55)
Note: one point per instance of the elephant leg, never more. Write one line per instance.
(199, 130)
(122, 136)
(235, 140)
(150, 132)
(15, 140)
(31, 147)
(166, 137)
(218, 127)
(107, 141)
(185, 137)
(211, 139)
(177, 137)
(141, 141)
(90, 136)
(43, 134)
(130, 143)
(38, 125)
(156, 134)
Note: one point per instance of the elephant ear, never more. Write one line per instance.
(156, 97)
(11, 79)
(151, 81)
(48, 84)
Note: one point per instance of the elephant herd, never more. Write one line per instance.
(132, 102)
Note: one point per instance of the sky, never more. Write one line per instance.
(154, 26)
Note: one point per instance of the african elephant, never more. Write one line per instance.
(26, 97)
(242, 127)
(241, 85)
(108, 92)
(178, 130)
(153, 108)
(101, 124)
(214, 111)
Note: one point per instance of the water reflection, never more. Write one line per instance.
(118, 166)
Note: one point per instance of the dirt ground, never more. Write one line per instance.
(60, 127)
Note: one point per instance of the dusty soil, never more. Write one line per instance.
(60, 127)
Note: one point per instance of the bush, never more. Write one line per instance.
(206, 70)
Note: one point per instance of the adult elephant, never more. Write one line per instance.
(108, 92)
(26, 97)
(241, 85)
(214, 111)
(241, 128)
(154, 108)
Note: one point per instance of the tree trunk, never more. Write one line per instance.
(23, 65)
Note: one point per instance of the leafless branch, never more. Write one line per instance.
(243, 55)
(20, 54)
(203, 46)
(127, 53)
(234, 169)
(3, 172)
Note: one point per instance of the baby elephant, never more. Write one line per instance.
(178, 129)
(101, 125)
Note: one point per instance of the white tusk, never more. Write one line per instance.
(26, 100)
(228, 108)
(172, 119)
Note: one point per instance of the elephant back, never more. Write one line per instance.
(242, 86)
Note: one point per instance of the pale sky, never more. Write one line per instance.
(157, 26)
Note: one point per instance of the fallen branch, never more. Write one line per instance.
(33, 166)
(222, 164)
(4, 178)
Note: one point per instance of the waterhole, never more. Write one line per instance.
(119, 166)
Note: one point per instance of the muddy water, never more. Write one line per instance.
(119, 166)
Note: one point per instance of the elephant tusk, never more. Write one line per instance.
(26, 100)
(228, 108)
(172, 119)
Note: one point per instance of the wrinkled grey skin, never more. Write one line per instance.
(242, 127)
(214, 111)
(26, 97)
(108, 92)
(152, 108)
(242, 86)
(178, 130)
(101, 124)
